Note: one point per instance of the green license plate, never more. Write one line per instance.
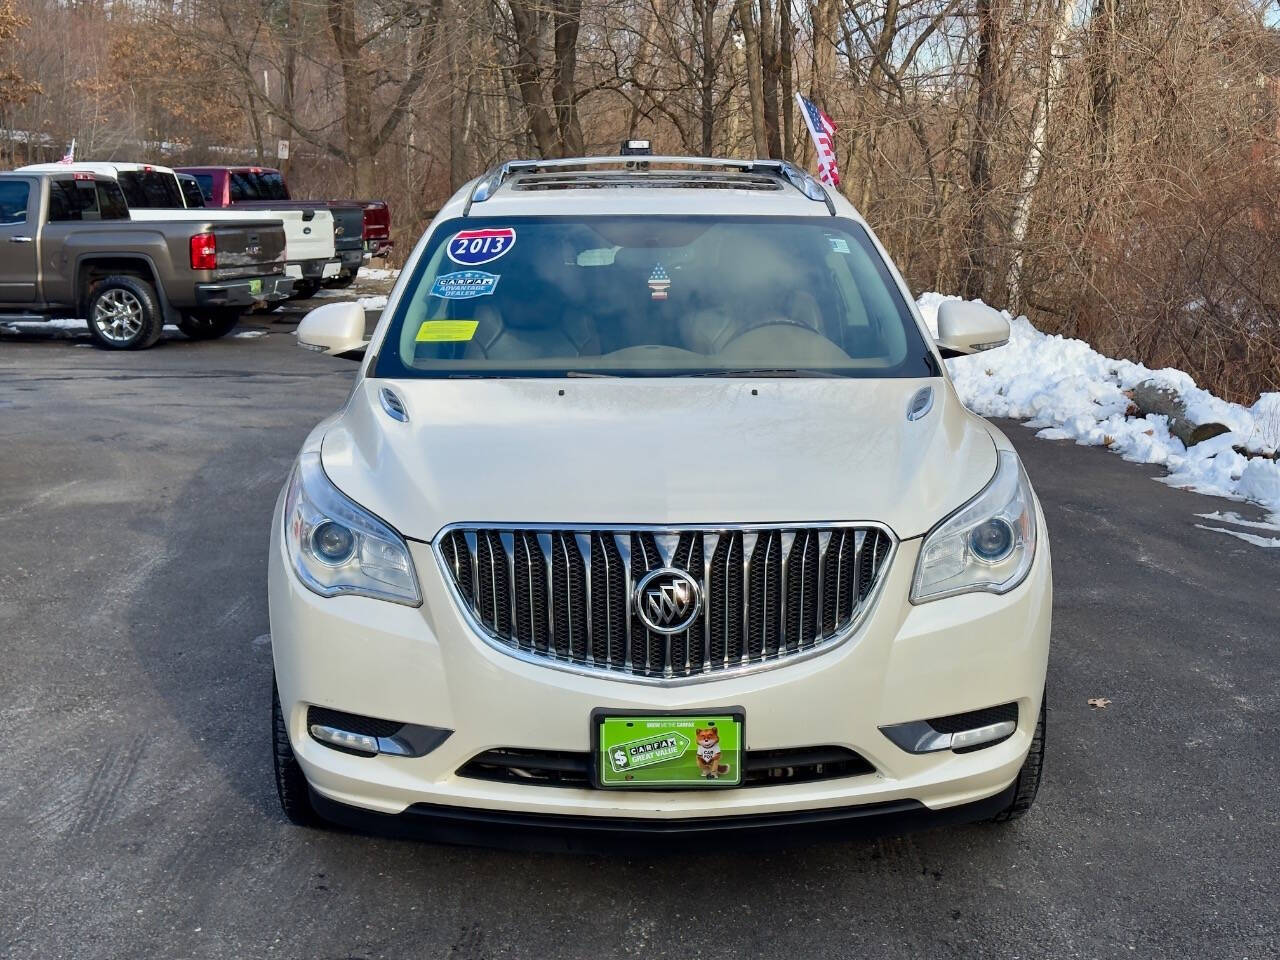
(656, 751)
(255, 286)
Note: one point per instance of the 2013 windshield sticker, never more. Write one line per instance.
(464, 285)
(446, 331)
(650, 750)
(471, 248)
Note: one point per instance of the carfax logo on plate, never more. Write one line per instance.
(464, 285)
(474, 247)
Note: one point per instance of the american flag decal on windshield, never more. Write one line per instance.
(659, 282)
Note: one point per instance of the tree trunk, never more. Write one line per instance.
(989, 17)
(786, 93)
(459, 91)
(706, 13)
(1041, 114)
(567, 21)
(755, 88)
(529, 80)
(289, 81)
(770, 69)
(356, 90)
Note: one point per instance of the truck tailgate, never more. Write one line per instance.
(249, 249)
(348, 224)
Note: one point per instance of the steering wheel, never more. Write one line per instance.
(775, 321)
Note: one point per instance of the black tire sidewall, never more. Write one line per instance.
(209, 324)
(152, 314)
(291, 782)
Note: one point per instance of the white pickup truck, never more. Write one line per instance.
(154, 194)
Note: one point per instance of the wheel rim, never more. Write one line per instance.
(118, 315)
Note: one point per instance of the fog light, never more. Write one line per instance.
(344, 738)
(992, 731)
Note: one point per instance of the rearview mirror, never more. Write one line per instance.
(965, 327)
(336, 329)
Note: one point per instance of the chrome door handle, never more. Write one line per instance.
(21, 239)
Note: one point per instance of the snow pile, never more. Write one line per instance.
(377, 273)
(373, 303)
(1069, 391)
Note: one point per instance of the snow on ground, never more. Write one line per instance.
(60, 323)
(377, 273)
(1068, 391)
(373, 303)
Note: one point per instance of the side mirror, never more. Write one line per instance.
(336, 329)
(965, 327)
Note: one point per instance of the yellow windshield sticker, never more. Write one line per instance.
(446, 331)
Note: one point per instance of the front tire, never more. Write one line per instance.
(124, 313)
(209, 324)
(291, 782)
(1028, 783)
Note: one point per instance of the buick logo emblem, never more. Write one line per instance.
(668, 600)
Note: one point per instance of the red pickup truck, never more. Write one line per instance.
(227, 186)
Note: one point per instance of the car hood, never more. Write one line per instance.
(642, 451)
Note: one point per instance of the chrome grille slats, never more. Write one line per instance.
(568, 597)
(562, 596)
(530, 578)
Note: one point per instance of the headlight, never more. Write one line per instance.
(336, 546)
(988, 544)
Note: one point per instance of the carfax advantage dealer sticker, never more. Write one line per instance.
(474, 247)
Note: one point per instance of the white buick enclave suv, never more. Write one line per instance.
(653, 512)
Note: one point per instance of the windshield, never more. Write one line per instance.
(150, 190)
(652, 296)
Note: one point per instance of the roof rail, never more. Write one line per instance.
(487, 185)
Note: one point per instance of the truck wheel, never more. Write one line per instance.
(291, 782)
(124, 313)
(304, 289)
(1028, 783)
(209, 324)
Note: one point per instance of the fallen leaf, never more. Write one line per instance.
(1108, 440)
(1099, 703)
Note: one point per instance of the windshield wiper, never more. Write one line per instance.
(769, 372)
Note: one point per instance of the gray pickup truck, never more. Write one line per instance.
(69, 249)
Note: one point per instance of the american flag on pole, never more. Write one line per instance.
(823, 132)
(70, 155)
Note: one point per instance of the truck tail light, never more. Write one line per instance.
(204, 252)
(377, 222)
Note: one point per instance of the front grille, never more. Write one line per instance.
(565, 768)
(567, 595)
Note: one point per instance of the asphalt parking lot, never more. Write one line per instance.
(138, 815)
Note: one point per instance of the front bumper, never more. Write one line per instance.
(633, 835)
(244, 292)
(426, 666)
